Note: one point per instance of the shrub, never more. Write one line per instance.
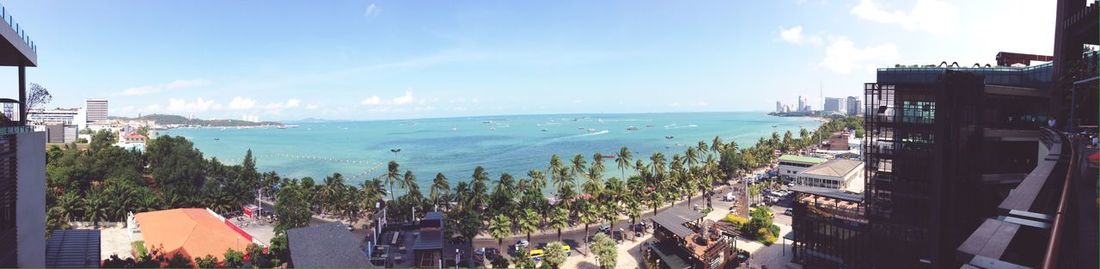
(738, 221)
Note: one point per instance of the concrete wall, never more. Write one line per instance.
(31, 215)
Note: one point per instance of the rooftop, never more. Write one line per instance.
(73, 249)
(194, 232)
(674, 218)
(801, 159)
(325, 246)
(833, 168)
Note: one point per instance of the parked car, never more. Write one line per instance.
(492, 253)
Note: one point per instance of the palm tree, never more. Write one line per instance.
(716, 145)
(372, 192)
(597, 166)
(579, 165)
(587, 213)
(691, 157)
(66, 203)
(538, 180)
(657, 164)
(500, 227)
(439, 188)
(555, 169)
(393, 173)
(623, 160)
(615, 190)
(95, 206)
(479, 188)
(331, 190)
(528, 221)
(559, 219)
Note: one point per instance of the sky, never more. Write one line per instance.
(370, 59)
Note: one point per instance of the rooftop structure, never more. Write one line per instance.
(833, 174)
(790, 165)
(192, 232)
(73, 249)
(682, 239)
(325, 246)
(829, 229)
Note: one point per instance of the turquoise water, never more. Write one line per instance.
(454, 146)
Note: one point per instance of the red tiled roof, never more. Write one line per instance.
(195, 232)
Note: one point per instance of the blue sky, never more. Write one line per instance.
(365, 59)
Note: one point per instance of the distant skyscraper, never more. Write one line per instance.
(855, 107)
(801, 103)
(834, 105)
(778, 107)
(9, 110)
(96, 109)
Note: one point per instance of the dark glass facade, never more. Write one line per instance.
(933, 134)
(8, 248)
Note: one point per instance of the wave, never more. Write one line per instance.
(593, 133)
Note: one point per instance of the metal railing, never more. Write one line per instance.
(6, 15)
(1050, 258)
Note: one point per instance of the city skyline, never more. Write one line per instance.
(365, 60)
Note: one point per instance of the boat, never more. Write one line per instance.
(281, 127)
(544, 130)
(649, 125)
(631, 128)
(669, 137)
(216, 139)
(591, 130)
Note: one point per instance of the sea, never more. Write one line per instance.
(455, 146)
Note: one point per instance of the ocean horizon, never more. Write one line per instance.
(454, 146)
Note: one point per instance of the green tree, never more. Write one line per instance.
(578, 166)
(554, 254)
(500, 227)
(716, 146)
(206, 262)
(623, 160)
(393, 174)
(233, 258)
(291, 209)
(605, 250)
(528, 221)
(95, 206)
(559, 219)
(439, 189)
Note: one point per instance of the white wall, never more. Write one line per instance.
(31, 215)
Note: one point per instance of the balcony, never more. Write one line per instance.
(20, 49)
(1029, 225)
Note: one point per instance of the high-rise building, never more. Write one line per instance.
(947, 149)
(834, 105)
(855, 107)
(778, 107)
(801, 104)
(96, 110)
(22, 163)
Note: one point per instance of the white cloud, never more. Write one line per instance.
(373, 100)
(404, 99)
(240, 103)
(174, 85)
(842, 56)
(794, 35)
(312, 106)
(372, 10)
(933, 16)
(181, 105)
(291, 103)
